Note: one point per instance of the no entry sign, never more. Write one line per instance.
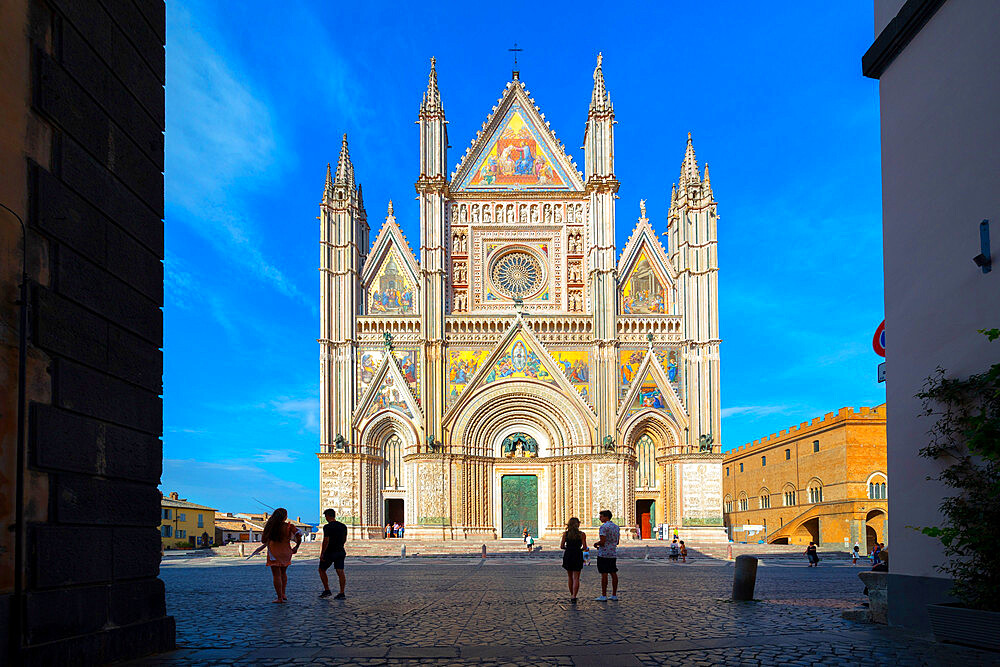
(878, 342)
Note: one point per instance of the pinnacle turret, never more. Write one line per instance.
(689, 167)
(432, 97)
(390, 213)
(345, 170)
(600, 99)
(328, 187)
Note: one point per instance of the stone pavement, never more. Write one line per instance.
(516, 611)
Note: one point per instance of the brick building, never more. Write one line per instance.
(822, 481)
(81, 330)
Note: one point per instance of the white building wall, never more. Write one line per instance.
(940, 176)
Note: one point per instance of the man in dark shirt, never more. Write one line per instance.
(333, 553)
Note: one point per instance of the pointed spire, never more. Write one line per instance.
(390, 214)
(432, 97)
(328, 187)
(345, 170)
(599, 98)
(689, 167)
(361, 199)
(706, 183)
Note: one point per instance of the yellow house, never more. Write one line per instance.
(184, 524)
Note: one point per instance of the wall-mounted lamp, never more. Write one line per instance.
(983, 260)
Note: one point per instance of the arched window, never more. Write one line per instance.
(744, 503)
(815, 491)
(877, 487)
(729, 504)
(392, 451)
(649, 477)
(765, 499)
(789, 496)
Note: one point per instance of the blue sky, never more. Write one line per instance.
(259, 94)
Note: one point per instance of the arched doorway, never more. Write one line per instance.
(874, 529)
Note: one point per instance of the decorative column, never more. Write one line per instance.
(601, 186)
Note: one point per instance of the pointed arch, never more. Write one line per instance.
(516, 125)
(650, 374)
(559, 424)
(391, 266)
(387, 392)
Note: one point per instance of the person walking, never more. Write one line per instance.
(277, 534)
(607, 555)
(333, 553)
(574, 542)
(684, 552)
(675, 550)
(855, 554)
(811, 554)
(529, 541)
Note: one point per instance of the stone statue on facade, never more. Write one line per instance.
(608, 443)
(431, 445)
(340, 443)
(387, 340)
(705, 442)
(642, 209)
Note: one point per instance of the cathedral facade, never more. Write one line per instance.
(522, 371)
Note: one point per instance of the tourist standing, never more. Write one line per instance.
(402, 529)
(573, 544)
(395, 529)
(684, 552)
(811, 555)
(277, 534)
(333, 553)
(855, 554)
(607, 555)
(388, 530)
(675, 550)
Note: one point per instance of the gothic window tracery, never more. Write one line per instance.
(517, 274)
(392, 451)
(648, 475)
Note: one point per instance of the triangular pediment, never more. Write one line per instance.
(645, 275)
(651, 390)
(518, 356)
(516, 150)
(388, 390)
(390, 274)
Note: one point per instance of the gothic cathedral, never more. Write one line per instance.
(519, 373)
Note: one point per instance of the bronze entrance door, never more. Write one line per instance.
(519, 505)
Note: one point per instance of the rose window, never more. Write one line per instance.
(516, 274)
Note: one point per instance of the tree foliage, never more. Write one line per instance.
(966, 436)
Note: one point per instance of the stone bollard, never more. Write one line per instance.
(744, 578)
(646, 557)
(484, 551)
(402, 552)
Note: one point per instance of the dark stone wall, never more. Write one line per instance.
(94, 455)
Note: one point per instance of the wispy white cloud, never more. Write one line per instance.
(221, 146)
(305, 410)
(756, 410)
(276, 455)
(248, 473)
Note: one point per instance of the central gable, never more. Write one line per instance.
(516, 151)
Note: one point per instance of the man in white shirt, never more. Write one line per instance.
(607, 555)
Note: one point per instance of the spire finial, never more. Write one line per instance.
(515, 72)
(345, 170)
(432, 98)
(689, 166)
(390, 212)
(642, 209)
(599, 99)
(328, 186)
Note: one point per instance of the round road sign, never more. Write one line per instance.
(878, 342)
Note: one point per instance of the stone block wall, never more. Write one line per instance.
(82, 159)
